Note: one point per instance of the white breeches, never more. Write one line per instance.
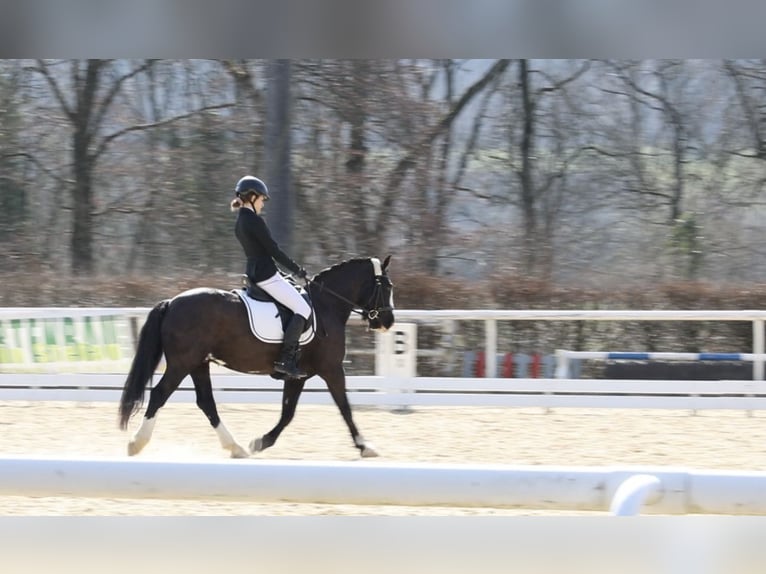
(278, 287)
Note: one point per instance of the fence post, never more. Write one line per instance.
(490, 329)
(562, 364)
(758, 349)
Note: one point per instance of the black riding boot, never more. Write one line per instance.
(287, 363)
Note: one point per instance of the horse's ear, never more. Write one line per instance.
(386, 261)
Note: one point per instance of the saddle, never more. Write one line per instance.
(285, 313)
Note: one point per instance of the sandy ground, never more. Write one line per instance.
(527, 436)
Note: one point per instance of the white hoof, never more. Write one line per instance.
(256, 445)
(369, 451)
(142, 437)
(239, 452)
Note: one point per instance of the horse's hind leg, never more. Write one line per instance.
(336, 383)
(157, 398)
(290, 393)
(205, 401)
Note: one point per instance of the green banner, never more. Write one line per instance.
(59, 340)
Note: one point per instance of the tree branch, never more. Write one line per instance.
(114, 90)
(39, 164)
(42, 68)
(561, 83)
(410, 159)
(139, 127)
(243, 78)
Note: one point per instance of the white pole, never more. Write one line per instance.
(268, 481)
(633, 493)
(490, 351)
(758, 349)
(562, 364)
(359, 482)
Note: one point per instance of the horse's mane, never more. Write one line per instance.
(332, 268)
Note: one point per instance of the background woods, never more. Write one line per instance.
(610, 175)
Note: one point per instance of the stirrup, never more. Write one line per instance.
(289, 369)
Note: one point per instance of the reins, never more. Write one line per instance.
(323, 287)
(366, 313)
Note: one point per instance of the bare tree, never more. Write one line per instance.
(749, 77)
(384, 126)
(277, 151)
(86, 99)
(13, 190)
(668, 79)
(568, 170)
(416, 151)
(664, 132)
(535, 181)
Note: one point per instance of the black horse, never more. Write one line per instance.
(201, 325)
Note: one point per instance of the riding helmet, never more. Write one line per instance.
(251, 184)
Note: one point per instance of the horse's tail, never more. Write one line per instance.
(144, 364)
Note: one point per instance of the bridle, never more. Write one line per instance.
(372, 311)
(376, 303)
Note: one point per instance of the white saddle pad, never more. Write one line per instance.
(265, 322)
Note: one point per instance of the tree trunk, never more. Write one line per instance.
(82, 227)
(86, 88)
(355, 162)
(528, 207)
(277, 153)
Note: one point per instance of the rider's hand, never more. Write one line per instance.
(302, 273)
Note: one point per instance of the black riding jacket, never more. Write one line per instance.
(260, 247)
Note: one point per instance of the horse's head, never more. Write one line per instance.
(364, 286)
(379, 310)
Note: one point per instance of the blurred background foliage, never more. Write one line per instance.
(494, 183)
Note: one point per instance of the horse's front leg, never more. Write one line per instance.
(291, 391)
(336, 383)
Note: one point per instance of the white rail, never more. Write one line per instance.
(563, 356)
(669, 491)
(490, 318)
(420, 391)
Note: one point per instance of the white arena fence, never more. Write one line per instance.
(490, 318)
(387, 392)
(84, 353)
(620, 491)
(32, 334)
(68, 339)
(563, 357)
